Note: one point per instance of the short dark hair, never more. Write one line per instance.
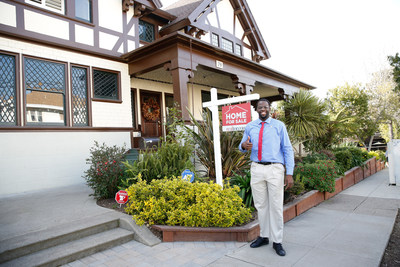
(263, 100)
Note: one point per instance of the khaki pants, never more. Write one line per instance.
(267, 182)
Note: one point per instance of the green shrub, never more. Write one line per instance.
(344, 159)
(378, 154)
(313, 157)
(106, 169)
(177, 202)
(320, 175)
(243, 182)
(359, 156)
(171, 159)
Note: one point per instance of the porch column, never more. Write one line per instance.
(180, 79)
(244, 85)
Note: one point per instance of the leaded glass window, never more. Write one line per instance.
(215, 39)
(79, 96)
(227, 45)
(146, 31)
(238, 49)
(7, 90)
(44, 83)
(105, 85)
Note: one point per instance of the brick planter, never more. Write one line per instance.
(338, 188)
(244, 233)
(348, 179)
(309, 200)
(251, 230)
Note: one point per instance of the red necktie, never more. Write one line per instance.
(260, 137)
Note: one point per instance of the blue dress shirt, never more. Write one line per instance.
(276, 145)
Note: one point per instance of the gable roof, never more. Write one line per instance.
(194, 12)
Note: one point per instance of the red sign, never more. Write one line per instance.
(235, 117)
(121, 197)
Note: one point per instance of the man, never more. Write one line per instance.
(271, 152)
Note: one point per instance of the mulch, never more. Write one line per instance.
(391, 257)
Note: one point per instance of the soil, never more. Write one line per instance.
(391, 257)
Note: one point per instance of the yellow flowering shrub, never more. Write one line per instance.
(177, 202)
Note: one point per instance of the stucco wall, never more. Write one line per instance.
(37, 160)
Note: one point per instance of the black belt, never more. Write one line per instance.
(267, 163)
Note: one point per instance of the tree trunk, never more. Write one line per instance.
(370, 142)
(391, 130)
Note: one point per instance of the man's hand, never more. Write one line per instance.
(288, 181)
(247, 145)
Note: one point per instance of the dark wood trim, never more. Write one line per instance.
(17, 86)
(163, 51)
(134, 91)
(119, 100)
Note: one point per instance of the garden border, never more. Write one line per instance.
(250, 231)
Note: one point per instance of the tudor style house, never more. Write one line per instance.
(76, 71)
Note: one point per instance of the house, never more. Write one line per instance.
(76, 71)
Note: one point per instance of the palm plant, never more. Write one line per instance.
(304, 116)
(232, 158)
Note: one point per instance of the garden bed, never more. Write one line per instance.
(250, 231)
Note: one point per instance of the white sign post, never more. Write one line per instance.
(213, 106)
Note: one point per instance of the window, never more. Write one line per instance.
(105, 85)
(44, 83)
(79, 84)
(8, 101)
(53, 5)
(215, 39)
(83, 10)
(146, 31)
(227, 45)
(238, 49)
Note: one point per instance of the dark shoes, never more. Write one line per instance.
(260, 241)
(279, 249)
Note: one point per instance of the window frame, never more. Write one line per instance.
(154, 31)
(42, 4)
(88, 96)
(119, 98)
(217, 39)
(17, 90)
(227, 41)
(66, 95)
(90, 12)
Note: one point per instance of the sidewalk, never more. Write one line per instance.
(350, 229)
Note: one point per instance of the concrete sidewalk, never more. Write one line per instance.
(350, 229)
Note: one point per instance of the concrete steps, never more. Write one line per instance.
(64, 243)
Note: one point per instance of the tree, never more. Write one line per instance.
(384, 103)
(352, 101)
(395, 63)
(304, 117)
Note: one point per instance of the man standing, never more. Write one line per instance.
(271, 152)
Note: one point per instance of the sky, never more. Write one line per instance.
(327, 43)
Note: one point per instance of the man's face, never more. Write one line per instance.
(263, 110)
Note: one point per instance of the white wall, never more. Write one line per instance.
(37, 160)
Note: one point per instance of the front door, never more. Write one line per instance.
(150, 104)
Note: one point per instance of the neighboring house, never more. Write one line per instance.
(76, 71)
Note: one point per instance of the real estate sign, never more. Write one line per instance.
(235, 117)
